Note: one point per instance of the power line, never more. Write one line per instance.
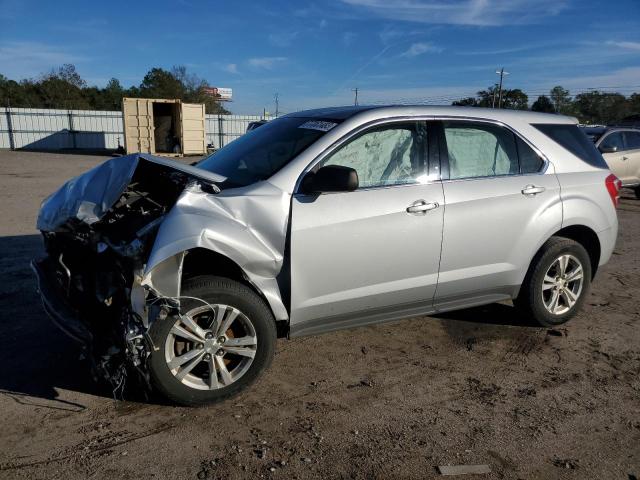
(440, 99)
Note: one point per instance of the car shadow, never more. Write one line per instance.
(486, 324)
(36, 359)
(492, 314)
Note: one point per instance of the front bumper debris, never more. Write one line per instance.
(59, 311)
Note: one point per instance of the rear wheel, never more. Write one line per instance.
(221, 342)
(557, 282)
(637, 190)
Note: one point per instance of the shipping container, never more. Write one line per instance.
(163, 126)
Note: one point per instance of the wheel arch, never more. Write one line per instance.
(586, 237)
(168, 277)
(202, 261)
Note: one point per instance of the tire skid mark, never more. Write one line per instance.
(91, 449)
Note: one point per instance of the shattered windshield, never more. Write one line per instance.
(260, 153)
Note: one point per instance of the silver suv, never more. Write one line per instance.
(316, 221)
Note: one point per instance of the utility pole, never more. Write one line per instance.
(277, 104)
(502, 73)
(355, 100)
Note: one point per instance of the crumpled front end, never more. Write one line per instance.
(249, 229)
(99, 229)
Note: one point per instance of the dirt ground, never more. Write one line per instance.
(390, 401)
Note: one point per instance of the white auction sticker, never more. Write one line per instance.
(318, 125)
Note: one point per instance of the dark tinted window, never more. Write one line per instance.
(594, 133)
(632, 140)
(613, 140)
(263, 151)
(530, 161)
(574, 140)
(479, 150)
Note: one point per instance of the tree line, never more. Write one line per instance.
(593, 107)
(65, 88)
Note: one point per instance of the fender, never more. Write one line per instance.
(248, 229)
(586, 202)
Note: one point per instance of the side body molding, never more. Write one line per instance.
(247, 225)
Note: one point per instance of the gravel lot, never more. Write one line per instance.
(391, 401)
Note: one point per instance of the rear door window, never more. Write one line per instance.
(479, 150)
(613, 140)
(530, 161)
(573, 139)
(632, 140)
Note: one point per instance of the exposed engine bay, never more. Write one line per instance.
(95, 262)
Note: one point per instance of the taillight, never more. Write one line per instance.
(613, 185)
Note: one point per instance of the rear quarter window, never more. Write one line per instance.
(573, 139)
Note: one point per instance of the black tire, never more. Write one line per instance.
(214, 290)
(530, 299)
(637, 190)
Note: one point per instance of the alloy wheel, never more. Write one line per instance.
(211, 346)
(562, 284)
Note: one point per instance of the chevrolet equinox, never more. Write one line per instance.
(180, 278)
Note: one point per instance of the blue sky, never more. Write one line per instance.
(314, 53)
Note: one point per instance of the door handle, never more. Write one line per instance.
(531, 190)
(421, 206)
(625, 158)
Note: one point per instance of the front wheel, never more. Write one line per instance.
(637, 190)
(557, 282)
(223, 339)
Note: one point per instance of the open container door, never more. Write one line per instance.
(137, 115)
(193, 129)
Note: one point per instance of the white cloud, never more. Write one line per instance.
(27, 59)
(462, 12)
(614, 80)
(231, 68)
(501, 51)
(626, 45)
(418, 49)
(389, 34)
(437, 95)
(348, 38)
(282, 39)
(266, 63)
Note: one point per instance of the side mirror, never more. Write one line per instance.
(331, 178)
(609, 149)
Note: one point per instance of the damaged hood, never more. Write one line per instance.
(87, 197)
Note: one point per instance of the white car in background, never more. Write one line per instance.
(620, 147)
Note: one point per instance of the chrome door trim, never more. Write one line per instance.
(420, 118)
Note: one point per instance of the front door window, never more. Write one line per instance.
(384, 156)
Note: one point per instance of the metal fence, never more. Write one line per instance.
(45, 129)
(222, 129)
